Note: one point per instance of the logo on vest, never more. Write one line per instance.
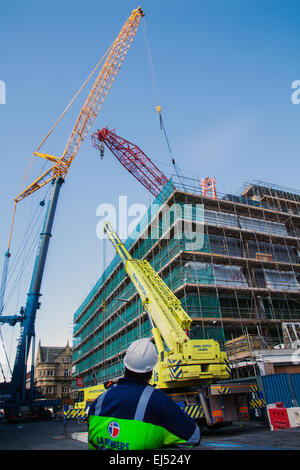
(113, 429)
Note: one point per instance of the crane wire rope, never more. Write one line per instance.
(155, 89)
(25, 260)
(28, 233)
(32, 223)
(150, 60)
(5, 353)
(2, 371)
(18, 280)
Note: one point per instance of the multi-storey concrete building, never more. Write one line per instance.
(233, 261)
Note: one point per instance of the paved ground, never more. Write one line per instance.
(50, 436)
(251, 436)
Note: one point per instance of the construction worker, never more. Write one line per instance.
(133, 415)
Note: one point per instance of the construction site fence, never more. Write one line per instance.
(283, 388)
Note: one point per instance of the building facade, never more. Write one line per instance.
(53, 371)
(233, 261)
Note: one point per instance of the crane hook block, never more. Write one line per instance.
(101, 150)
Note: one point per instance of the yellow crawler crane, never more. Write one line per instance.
(193, 372)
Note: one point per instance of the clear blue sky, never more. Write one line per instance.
(223, 70)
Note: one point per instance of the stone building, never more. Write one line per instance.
(53, 370)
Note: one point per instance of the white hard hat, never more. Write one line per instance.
(141, 356)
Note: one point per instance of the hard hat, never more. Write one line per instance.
(141, 356)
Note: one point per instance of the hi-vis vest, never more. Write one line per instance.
(135, 416)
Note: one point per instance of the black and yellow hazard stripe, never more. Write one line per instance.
(227, 366)
(257, 403)
(225, 390)
(194, 411)
(175, 369)
(71, 413)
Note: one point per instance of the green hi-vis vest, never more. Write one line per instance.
(126, 434)
(135, 433)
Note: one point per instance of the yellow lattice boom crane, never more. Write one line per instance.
(93, 103)
(15, 392)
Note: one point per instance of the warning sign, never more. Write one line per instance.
(79, 381)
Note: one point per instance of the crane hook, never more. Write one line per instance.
(101, 150)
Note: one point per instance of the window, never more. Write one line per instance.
(80, 396)
(66, 373)
(66, 359)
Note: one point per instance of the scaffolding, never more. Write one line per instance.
(232, 260)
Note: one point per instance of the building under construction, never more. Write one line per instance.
(233, 261)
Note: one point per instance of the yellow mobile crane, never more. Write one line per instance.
(188, 369)
(182, 361)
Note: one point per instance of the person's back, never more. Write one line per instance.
(133, 415)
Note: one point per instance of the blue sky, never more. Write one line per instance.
(223, 71)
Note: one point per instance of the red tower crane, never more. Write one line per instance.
(132, 158)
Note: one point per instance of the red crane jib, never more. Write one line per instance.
(133, 159)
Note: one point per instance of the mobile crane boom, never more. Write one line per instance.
(182, 361)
